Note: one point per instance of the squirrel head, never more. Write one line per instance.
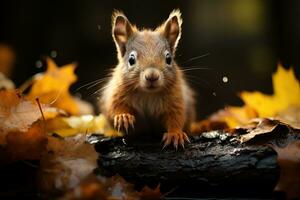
(147, 56)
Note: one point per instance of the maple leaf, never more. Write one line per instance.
(52, 87)
(283, 105)
(286, 93)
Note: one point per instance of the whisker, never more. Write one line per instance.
(198, 80)
(91, 83)
(195, 58)
(128, 82)
(95, 84)
(196, 68)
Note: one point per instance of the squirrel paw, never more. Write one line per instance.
(177, 137)
(123, 121)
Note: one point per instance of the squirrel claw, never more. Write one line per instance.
(177, 137)
(122, 121)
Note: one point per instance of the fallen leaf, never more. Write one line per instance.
(290, 116)
(237, 116)
(52, 87)
(66, 163)
(6, 83)
(69, 126)
(228, 118)
(150, 194)
(286, 93)
(27, 145)
(283, 105)
(17, 114)
(111, 188)
(263, 126)
(289, 163)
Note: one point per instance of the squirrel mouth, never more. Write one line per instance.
(152, 87)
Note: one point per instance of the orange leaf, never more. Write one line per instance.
(289, 162)
(16, 113)
(24, 145)
(148, 193)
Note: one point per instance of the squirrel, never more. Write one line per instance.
(147, 88)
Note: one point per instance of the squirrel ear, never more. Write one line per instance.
(122, 30)
(171, 29)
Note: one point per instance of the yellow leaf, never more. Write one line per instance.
(69, 126)
(236, 116)
(286, 94)
(52, 87)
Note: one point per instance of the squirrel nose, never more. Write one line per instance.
(152, 77)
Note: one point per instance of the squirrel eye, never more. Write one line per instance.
(132, 58)
(168, 58)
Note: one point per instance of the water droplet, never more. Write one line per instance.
(99, 27)
(215, 94)
(53, 54)
(38, 64)
(225, 79)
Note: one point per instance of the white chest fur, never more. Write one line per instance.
(148, 104)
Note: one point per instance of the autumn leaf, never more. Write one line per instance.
(69, 126)
(66, 162)
(283, 105)
(290, 116)
(16, 113)
(230, 117)
(6, 83)
(150, 194)
(27, 145)
(286, 94)
(289, 163)
(111, 188)
(52, 87)
(263, 126)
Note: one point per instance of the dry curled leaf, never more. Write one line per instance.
(263, 126)
(289, 163)
(66, 163)
(17, 114)
(290, 116)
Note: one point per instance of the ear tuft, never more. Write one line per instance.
(176, 13)
(122, 30)
(171, 29)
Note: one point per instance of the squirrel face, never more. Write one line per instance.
(146, 57)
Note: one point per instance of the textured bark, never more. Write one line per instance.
(214, 163)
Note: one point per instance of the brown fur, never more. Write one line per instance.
(126, 99)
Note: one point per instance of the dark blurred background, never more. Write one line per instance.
(245, 39)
